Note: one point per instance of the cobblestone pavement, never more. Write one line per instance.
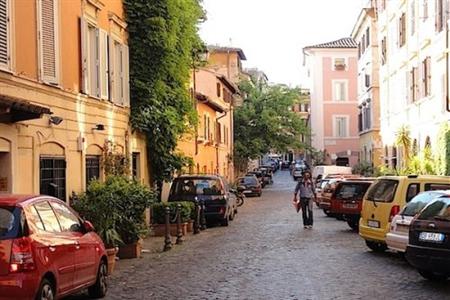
(266, 254)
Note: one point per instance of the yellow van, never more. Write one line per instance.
(386, 197)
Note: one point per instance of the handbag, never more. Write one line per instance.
(296, 204)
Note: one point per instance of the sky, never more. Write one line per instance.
(272, 33)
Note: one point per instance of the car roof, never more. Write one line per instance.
(412, 176)
(14, 200)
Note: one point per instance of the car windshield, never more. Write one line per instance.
(248, 180)
(198, 186)
(9, 223)
(323, 183)
(383, 190)
(437, 210)
(351, 190)
(418, 203)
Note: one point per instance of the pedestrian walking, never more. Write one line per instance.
(305, 190)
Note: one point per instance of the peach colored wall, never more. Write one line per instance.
(25, 30)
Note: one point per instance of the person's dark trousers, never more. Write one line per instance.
(307, 213)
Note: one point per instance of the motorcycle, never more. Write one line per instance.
(240, 195)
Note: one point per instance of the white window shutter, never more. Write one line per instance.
(125, 76)
(84, 56)
(103, 56)
(48, 41)
(112, 70)
(4, 34)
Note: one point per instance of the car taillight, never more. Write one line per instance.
(394, 211)
(222, 210)
(21, 256)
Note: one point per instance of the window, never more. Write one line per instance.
(426, 76)
(5, 34)
(436, 186)
(67, 220)
(341, 129)
(383, 51)
(47, 216)
(119, 73)
(48, 41)
(425, 10)
(367, 80)
(135, 165)
(363, 44)
(402, 30)
(53, 177)
(413, 190)
(340, 91)
(413, 84)
(92, 168)
(367, 37)
(339, 63)
(93, 63)
(413, 17)
(382, 190)
(218, 89)
(360, 121)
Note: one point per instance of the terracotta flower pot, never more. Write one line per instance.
(111, 252)
(190, 226)
(130, 250)
(160, 229)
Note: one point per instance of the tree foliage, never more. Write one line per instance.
(266, 121)
(163, 40)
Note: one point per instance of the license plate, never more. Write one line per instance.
(247, 192)
(350, 205)
(402, 228)
(374, 224)
(431, 237)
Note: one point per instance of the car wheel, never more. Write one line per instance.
(376, 247)
(353, 224)
(231, 217)
(259, 194)
(100, 287)
(432, 276)
(225, 221)
(46, 290)
(327, 213)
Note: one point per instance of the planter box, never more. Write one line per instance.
(130, 251)
(190, 226)
(160, 229)
(111, 252)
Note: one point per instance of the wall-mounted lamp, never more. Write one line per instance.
(99, 127)
(55, 120)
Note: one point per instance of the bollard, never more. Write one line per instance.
(202, 215)
(196, 217)
(179, 231)
(167, 241)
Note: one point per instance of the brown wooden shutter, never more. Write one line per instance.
(48, 41)
(4, 34)
(416, 83)
(411, 86)
(428, 74)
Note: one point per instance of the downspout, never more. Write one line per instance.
(217, 144)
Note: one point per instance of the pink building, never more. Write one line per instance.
(332, 70)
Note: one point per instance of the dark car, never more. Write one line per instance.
(429, 240)
(47, 251)
(285, 164)
(220, 200)
(346, 200)
(250, 186)
(267, 174)
(258, 175)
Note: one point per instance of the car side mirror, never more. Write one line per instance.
(88, 226)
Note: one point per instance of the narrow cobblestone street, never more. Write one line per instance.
(266, 254)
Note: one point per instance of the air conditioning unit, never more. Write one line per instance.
(339, 66)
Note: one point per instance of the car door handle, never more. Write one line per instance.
(77, 245)
(52, 248)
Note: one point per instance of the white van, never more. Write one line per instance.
(323, 171)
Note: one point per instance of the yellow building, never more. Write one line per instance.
(210, 146)
(64, 94)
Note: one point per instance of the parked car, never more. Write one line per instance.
(398, 236)
(250, 186)
(320, 172)
(319, 190)
(220, 201)
(386, 197)
(258, 175)
(346, 200)
(285, 164)
(267, 174)
(47, 251)
(327, 192)
(429, 240)
(298, 170)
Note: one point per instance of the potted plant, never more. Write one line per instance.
(158, 217)
(95, 206)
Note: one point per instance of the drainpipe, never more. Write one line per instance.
(217, 144)
(447, 98)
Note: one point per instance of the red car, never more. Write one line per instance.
(346, 200)
(47, 251)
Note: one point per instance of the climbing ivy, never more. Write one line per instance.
(163, 40)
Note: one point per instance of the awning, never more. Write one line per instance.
(15, 110)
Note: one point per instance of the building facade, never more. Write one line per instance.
(365, 34)
(413, 55)
(332, 70)
(64, 95)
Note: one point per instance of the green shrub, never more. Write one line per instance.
(364, 169)
(116, 208)
(158, 209)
